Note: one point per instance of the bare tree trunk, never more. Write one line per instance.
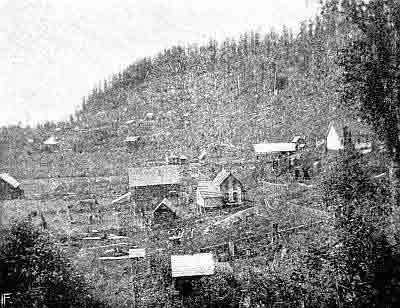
(395, 187)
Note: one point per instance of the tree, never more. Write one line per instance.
(366, 265)
(37, 274)
(371, 62)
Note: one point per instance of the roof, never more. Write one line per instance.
(221, 176)
(208, 189)
(51, 141)
(168, 204)
(202, 154)
(9, 179)
(149, 115)
(159, 175)
(201, 264)
(122, 198)
(131, 138)
(333, 141)
(223, 267)
(296, 139)
(137, 252)
(264, 148)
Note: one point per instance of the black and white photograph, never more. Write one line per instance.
(199, 153)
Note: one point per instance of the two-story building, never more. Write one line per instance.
(224, 190)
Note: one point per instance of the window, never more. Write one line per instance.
(235, 196)
(226, 196)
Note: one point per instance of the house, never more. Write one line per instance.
(188, 266)
(50, 144)
(274, 150)
(208, 196)
(124, 199)
(10, 188)
(358, 137)
(133, 143)
(299, 142)
(150, 184)
(183, 159)
(148, 122)
(230, 187)
(202, 155)
(165, 212)
(225, 189)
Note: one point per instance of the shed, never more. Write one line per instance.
(122, 199)
(133, 142)
(10, 188)
(208, 196)
(152, 176)
(202, 155)
(274, 148)
(50, 144)
(165, 212)
(197, 265)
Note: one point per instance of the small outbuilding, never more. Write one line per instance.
(165, 212)
(10, 188)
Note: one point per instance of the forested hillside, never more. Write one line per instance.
(261, 87)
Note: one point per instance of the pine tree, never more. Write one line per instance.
(371, 64)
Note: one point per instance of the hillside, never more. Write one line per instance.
(222, 97)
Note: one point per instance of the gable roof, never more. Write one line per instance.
(50, 141)
(265, 148)
(333, 140)
(222, 176)
(132, 138)
(122, 198)
(150, 176)
(296, 139)
(168, 204)
(9, 179)
(202, 154)
(201, 264)
(208, 189)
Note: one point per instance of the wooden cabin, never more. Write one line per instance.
(230, 187)
(10, 188)
(225, 189)
(337, 135)
(186, 268)
(50, 145)
(133, 143)
(165, 213)
(272, 151)
(150, 184)
(208, 196)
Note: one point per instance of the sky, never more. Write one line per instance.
(53, 52)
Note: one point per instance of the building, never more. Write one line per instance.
(188, 266)
(150, 184)
(10, 188)
(230, 187)
(358, 137)
(208, 196)
(165, 212)
(299, 142)
(225, 189)
(123, 200)
(271, 151)
(148, 122)
(133, 143)
(50, 144)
